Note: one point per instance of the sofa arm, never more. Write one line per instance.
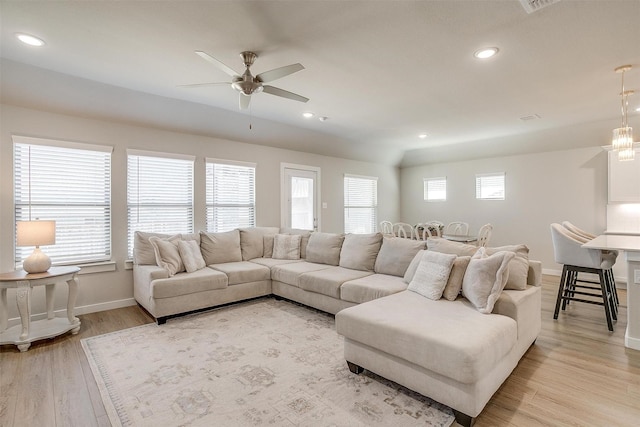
(534, 277)
(145, 274)
(525, 308)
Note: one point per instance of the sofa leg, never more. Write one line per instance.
(463, 419)
(355, 368)
(161, 320)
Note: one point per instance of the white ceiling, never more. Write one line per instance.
(382, 71)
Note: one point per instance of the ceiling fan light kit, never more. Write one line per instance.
(247, 84)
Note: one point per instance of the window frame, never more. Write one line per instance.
(479, 185)
(210, 196)
(373, 207)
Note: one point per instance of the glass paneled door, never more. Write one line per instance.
(300, 192)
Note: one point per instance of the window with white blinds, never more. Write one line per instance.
(69, 183)
(231, 198)
(435, 189)
(159, 193)
(490, 186)
(360, 204)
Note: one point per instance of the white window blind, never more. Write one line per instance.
(435, 189)
(69, 183)
(230, 195)
(490, 186)
(360, 204)
(159, 193)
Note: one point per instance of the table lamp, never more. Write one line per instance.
(36, 233)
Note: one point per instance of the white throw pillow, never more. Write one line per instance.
(454, 284)
(485, 278)
(432, 274)
(286, 246)
(167, 254)
(191, 256)
(518, 267)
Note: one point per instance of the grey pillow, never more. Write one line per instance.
(191, 255)
(359, 251)
(485, 278)
(396, 254)
(218, 248)
(167, 254)
(286, 246)
(518, 267)
(324, 248)
(251, 241)
(454, 284)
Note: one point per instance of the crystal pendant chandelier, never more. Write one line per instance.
(623, 136)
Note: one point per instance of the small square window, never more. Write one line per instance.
(490, 186)
(435, 189)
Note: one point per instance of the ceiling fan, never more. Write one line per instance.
(247, 84)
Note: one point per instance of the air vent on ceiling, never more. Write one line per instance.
(534, 5)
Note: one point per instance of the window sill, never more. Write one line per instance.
(97, 267)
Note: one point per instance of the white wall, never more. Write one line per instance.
(540, 189)
(106, 290)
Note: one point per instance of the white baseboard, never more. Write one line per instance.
(85, 309)
(621, 282)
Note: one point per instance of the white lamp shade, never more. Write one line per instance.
(36, 233)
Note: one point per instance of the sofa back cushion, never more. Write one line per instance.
(518, 266)
(445, 246)
(396, 254)
(359, 251)
(252, 241)
(218, 248)
(143, 253)
(324, 248)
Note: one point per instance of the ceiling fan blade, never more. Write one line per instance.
(277, 73)
(217, 63)
(283, 93)
(205, 84)
(244, 101)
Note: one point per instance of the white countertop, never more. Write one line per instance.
(621, 242)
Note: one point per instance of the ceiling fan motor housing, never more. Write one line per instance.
(247, 84)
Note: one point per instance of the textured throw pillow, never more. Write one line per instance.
(413, 266)
(485, 278)
(432, 274)
(167, 254)
(454, 284)
(191, 256)
(218, 248)
(268, 245)
(518, 267)
(324, 248)
(359, 251)
(396, 254)
(445, 246)
(286, 246)
(305, 238)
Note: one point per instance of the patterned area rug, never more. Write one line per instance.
(263, 362)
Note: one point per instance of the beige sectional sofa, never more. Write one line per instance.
(447, 349)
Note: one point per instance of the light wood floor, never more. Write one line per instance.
(576, 374)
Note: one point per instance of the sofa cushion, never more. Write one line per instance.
(359, 251)
(167, 253)
(290, 273)
(328, 281)
(202, 280)
(371, 287)
(191, 255)
(396, 254)
(243, 271)
(432, 274)
(518, 267)
(303, 242)
(271, 262)
(252, 241)
(286, 246)
(324, 248)
(485, 278)
(143, 253)
(445, 246)
(450, 338)
(218, 248)
(454, 284)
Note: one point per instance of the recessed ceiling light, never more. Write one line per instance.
(30, 40)
(422, 136)
(485, 52)
(307, 114)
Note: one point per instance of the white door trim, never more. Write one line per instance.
(283, 195)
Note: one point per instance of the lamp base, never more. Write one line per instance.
(37, 262)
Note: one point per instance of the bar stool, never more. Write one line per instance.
(568, 251)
